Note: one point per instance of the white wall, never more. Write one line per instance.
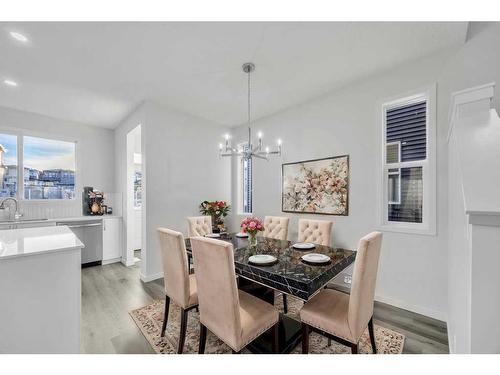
(412, 270)
(181, 168)
(95, 157)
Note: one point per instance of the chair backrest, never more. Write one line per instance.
(217, 290)
(276, 227)
(364, 279)
(315, 231)
(175, 265)
(198, 226)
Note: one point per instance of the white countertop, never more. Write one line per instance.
(59, 219)
(31, 241)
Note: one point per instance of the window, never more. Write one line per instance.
(137, 189)
(48, 168)
(408, 173)
(245, 178)
(8, 165)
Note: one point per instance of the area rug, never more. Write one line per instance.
(149, 320)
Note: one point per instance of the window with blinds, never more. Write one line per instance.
(405, 129)
(245, 176)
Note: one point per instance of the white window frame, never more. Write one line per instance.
(428, 225)
(398, 173)
(20, 134)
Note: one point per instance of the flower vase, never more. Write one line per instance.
(252, 239)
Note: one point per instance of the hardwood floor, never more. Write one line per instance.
(110, 292)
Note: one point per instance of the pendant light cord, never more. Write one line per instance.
(248, 102)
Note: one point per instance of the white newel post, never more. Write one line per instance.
(474, 222)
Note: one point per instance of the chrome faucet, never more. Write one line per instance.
(17, 214)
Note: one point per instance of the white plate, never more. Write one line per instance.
(212, 235)
(315, 258)
(304, 245)
(241, 235)
(262, 259)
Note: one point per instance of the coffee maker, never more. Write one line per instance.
(92, 202)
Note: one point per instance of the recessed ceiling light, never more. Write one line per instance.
(18, 36)
(10, 82)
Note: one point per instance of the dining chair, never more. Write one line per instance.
(198, 226)
(180, 286)
(343, 317)
(276, 227)
(233, 315)
(315, 231)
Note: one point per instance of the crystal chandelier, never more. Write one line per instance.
(248, 151)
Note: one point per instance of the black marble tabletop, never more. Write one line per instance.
(290, 274)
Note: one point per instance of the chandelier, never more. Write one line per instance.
(248, 151)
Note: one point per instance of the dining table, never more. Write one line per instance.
(289, 275)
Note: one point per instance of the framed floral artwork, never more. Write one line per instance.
(318, 186)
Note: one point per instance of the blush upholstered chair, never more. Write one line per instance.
(234, 316)
(343, 317)
(198, 226)
(315, 231)
(276, 227)
(180, 286)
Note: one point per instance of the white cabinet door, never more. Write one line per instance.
(111, 238)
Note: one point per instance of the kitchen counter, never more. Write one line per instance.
(40, 290)
(57, 219)
(29, 241)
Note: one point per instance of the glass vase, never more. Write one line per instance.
(252, 239)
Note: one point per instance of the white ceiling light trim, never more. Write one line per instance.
(19, 37)
(10, 83)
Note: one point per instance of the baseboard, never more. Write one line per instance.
(451, 341)
(148, 278)
(413, 308)
(109, 261)
(127, 263)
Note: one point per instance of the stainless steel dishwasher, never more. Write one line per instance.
(90, 233)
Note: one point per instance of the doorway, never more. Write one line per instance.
(134, 195)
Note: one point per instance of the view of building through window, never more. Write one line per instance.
(406, 152)
(48, 170)
(137, 188)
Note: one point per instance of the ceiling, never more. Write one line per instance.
(97, 73)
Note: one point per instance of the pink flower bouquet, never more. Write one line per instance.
(252, 225)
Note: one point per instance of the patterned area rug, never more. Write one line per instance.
(149, 320)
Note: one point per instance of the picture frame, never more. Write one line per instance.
(316, 186)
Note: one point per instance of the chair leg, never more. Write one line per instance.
(182, 335)
(165, 316)
(203, 339)
(275, 337)
(354, 348)
(329, 342)
(372, 335)
(285, 303)
(305, 338)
